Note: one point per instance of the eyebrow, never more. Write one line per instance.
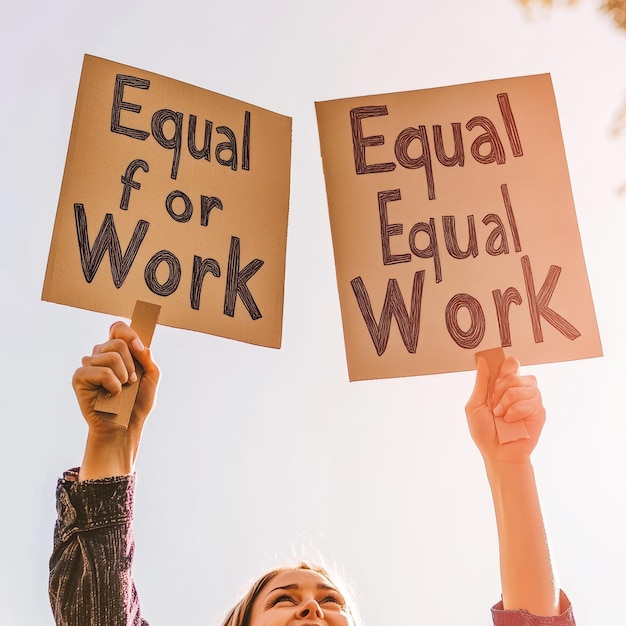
(295, 586)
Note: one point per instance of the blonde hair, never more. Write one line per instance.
(241, 613)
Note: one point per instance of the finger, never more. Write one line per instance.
(512, 381)
(120, 347)
(514, 395)
(145, 359)
(112, 360)
(137, 348)
(93, 377)
(479, 394)
(120, 330)
(525, 410)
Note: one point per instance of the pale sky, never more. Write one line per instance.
(260, 455)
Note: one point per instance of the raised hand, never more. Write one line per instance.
(514, 398)
(111, 449)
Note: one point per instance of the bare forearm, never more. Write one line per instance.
(528, 580)
(108, 455)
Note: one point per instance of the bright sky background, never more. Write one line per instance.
(255, 455)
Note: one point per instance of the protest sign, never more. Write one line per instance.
(454, 228)
(176, 196)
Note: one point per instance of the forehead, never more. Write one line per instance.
(300, 577)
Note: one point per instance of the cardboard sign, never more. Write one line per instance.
(454, 228)
(176, 196)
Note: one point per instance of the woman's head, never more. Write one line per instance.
(305, 594)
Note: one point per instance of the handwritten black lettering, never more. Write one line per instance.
(174, 273)
(359, 143)
(106, 240)
(470, 338)
(408, 323)
(122, 81)
(237, 282)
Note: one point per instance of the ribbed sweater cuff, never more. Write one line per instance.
(524, 618)
(91, 504)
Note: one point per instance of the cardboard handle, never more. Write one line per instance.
(506, 431)
(117, 409)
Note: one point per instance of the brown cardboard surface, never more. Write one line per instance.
(410, 177)
(506, 431)
(176, 196)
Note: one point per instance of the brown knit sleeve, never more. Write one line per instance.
(91, 565)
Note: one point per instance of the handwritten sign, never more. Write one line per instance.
(454, 228)
(176, 196)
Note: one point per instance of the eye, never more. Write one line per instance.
(332, 599)
(283, 597)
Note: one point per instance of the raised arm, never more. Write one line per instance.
(91, 564)
(526, 571)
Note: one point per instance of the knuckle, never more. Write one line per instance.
(533, 380)
(117, 344)
(116, 328)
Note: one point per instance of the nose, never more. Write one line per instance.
(310, 609)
